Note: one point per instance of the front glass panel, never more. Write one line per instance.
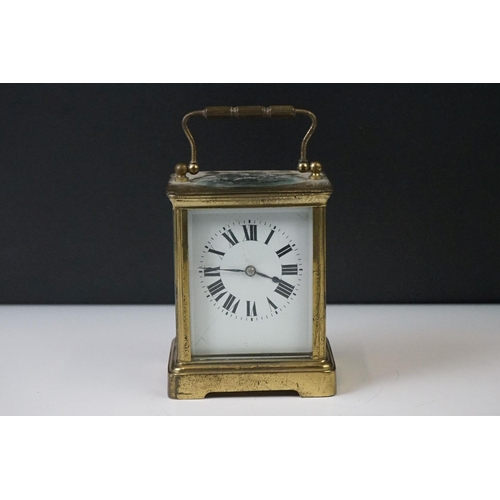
(250, 279)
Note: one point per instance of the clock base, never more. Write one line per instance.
(308, 377)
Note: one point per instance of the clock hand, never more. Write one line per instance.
(275, 279)
(222, 269)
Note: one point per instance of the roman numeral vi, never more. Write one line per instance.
(251, 309)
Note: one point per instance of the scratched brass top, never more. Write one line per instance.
(248, 182)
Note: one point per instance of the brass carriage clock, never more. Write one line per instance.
(249, 249)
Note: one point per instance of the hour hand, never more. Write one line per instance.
(275, 279)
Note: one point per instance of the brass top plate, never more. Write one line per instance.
(248, 182)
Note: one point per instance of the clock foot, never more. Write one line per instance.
(308, 377)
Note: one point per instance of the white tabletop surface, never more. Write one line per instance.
(111, 360)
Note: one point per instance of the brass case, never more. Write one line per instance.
(309, 376)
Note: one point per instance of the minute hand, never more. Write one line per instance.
(219, 269)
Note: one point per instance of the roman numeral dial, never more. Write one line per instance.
(250, 270)
(229, 235)
(216, 287)
(283, 251)
(250, 232)
(228, 305)
(211, 271)
(284, 289)
(289, 269)
(251, 308)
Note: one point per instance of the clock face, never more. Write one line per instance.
(255, 291)
(250, 281)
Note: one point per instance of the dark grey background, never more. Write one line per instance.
(83, 169)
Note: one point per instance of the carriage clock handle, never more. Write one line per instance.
(250, 112)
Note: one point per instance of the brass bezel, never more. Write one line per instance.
(188, 378)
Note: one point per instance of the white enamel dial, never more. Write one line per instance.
(250, 281)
